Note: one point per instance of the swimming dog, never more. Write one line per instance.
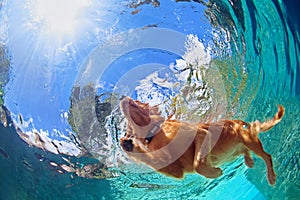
(174, 148)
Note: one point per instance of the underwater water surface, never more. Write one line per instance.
(65, 64)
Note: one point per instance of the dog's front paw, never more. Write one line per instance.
(216, 173)
(210, 172)
(213, 173)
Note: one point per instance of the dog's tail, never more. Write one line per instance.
(258, 127)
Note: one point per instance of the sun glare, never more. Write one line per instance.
(58, 16)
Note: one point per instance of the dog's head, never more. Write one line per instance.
(151, 139)
(143, 122)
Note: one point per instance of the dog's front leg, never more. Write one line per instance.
(202, 160)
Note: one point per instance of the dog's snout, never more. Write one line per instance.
(127, 145)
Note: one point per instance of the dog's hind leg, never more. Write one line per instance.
(248, 159)
(252, 142)
(256, 146)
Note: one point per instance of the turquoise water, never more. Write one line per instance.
(64, 67)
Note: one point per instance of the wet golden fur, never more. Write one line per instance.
(174, 148)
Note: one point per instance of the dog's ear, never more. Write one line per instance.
(139, 113)
(140, 116)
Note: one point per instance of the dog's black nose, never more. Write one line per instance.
(127, 145)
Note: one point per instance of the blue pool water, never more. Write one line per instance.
(65, 64)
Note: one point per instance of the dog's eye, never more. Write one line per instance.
(245, 126)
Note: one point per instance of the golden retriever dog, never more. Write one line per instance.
(174, 148)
